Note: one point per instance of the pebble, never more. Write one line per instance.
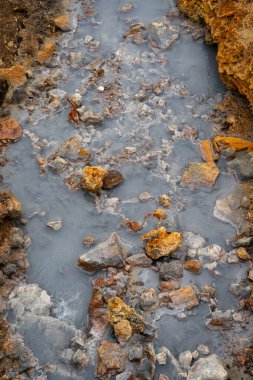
(145, 197)
(204, 350)
(185, 359)
(55, 224)
(100, 89)
(88, 39)
(161, 358)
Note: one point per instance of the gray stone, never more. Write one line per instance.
(193, 241)
(162, 34)
(135, 353)
(140, 259)
(171, 270)
(176, 369)
(210, 368)
(80, 359)
(149, 300)
(91, 117)
(126, 375)
(242, 166)
(110, 253)
(185, 359)
(57, 94)
(9, 269)
(16, 238)
(67, 355)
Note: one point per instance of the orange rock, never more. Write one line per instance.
(159, 214)
(207, 151)
(110, 359)
(10, 130)
(243, 254)
(193, 265)
(15, 75)
(132, 225)
(159, 243)
(123, 331)
(89, 240)
(45, 53)
(200, 174)
(167, 286)
(233, 142)
(184, 297)
(63, 22)
(93, 178)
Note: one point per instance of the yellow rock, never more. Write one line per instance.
(243, 254)
(63, 22)
(207, 151)
(15, 75)
(200, 174)
(93, 178)
(165, 201)
(159, 243)
(233, 142)
(46, 52)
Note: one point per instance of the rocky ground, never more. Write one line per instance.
(121, 332)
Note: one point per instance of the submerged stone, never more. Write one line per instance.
(159, 243)
(200, 174)
(242, 166)
(110, 253)
(209, 368)
(162, 34)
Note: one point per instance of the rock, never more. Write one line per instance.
(80, 359)
(207, 151)
(185, 359)
(250, 275)
(136, 33)
(126, 375)
(171, 270)
(71, 150)
(74, 180)
(10, 130)
(56, 93)
(166, 286)
(200, 174)
(208, 369)
(58, 165)
(149, 300)
(88, 39)
(163, 377)
(159, 243)
(193, 266)
(110, 359)
(29, 299)
(90, 117)
(146, 367)
(123, 331)
(16, 238)
(10, 204)
(173, 364)
(112, 178)
(193, 241)
(15, 75)
(165, 201)
(135, 353)
(3, 90)
(207, 293)
(242, 166)
(93, 178)
(145, 197)
(204, 350)
(243, 254)
(110, 253)
(229, 209)
(55, 225)
(185, 297)
(214, 252)
(46, 53)
(9, 269)
(140, 259)
(235, 143)
(162, 34)
(161, 358)
(232, 257)
(89, 240)
(126, 8)
(67, 355)
(63, 23)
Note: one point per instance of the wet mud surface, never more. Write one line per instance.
(125, 173)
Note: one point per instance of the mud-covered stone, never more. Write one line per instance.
(10, 203)
(209, 368)
(63, 22)
(110, 253)
(3, 89)
(207, 151)
(159, 243)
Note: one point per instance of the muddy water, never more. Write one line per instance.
(195, 88)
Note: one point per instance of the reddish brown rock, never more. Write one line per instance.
(110, 359)
(184, 297)
(15, 75)
(46, 53)
(200, 174)
(63, 23)
(10, 130)
(193, 266)
(123, 331)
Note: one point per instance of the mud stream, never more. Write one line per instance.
(163, 130)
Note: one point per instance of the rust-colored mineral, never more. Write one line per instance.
(93, 178)
(198, 174)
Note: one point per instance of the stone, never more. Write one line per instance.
(145, 196)
(162, 34)
(242, 166)
(243, 254)
(110, 359)
(3, 89)
(198, 174)
(163, 377)
(159, 243)
(15, 75)
(55, 224)
(140, 259)
(110, 253)
(88, 39)
(74, 180)
(185, 297)
(214, 252)
(250, 275)
(71, 150)
(174, 365)
(193, 241)
(207, 293)
(132, 225)
(46, 53)
(207, 151)
(161, 358)
(123, 331)
(193, 266)
(58, 165)
(235, 143)
(10, 203)
(89, 117)
(29, 299)
(165, 201)
(171, 270)
(126, 375)
(204, 350)
(10, 130)
(135, 353)
(67, 355)
(136, 33)
(56, 93)
(149, 300)
(93, 178)
(209, 368)
(166, 286)
(185, 359)
(126, 8)
(112, 178)
(89, 240)
(63, 23)
(80, 359)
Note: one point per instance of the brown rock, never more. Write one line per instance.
(200, 174)
(193, 266)
(123, 331)
(133, 225)
(63, 23)
(112, 178)
(184, 297)
(10, 202)
(10, 130)
(167, 286)
(93, 178)
(235, 143)
(243, 254)
(165, 201)
(45, 53)
(110, 359)
(15, 75)
(207, 151)
(159, 243)
(89, 240)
